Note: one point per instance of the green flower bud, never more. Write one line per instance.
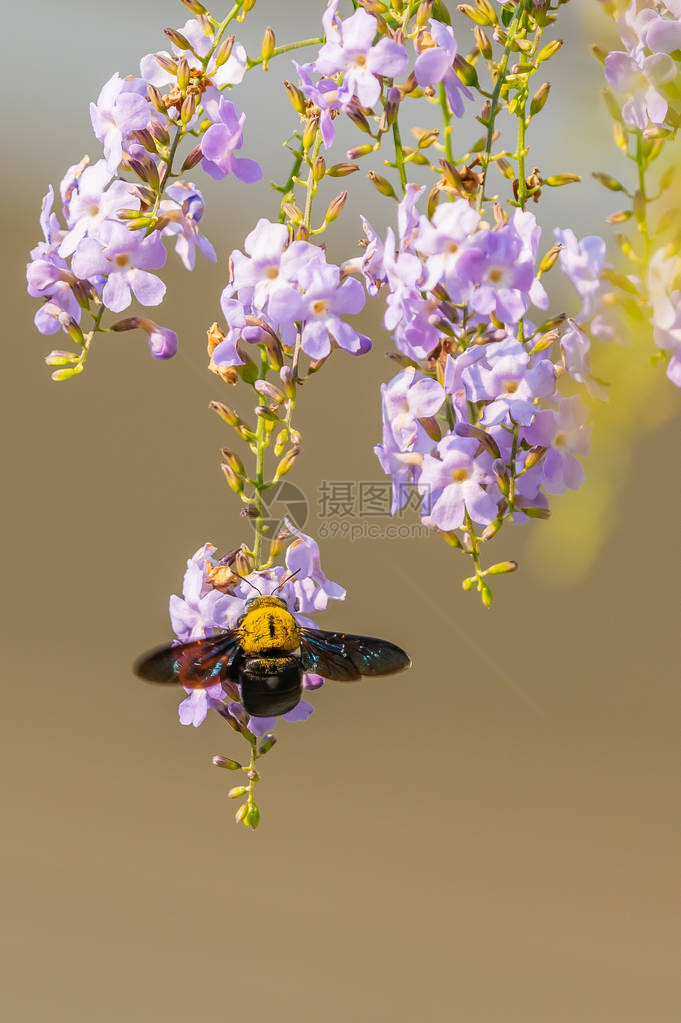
(382, 184)
(230, 765)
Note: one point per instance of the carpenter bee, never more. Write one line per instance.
(267, 654)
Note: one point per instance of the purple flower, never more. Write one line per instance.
(312, 588)
(642, 77)
(184, 208)
(434, 65)
(349, 48)
(261, 726)
(124, 257)
(324, 95)
(452, 482)
(497, 272)
(319, 306)
(121, 107)
(506, 379)
(193, 709)
(582, 261)
(91, 202)
(162, 340)
(223, 139)
(564, 433)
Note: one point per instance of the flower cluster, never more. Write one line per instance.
(286, 289)
(474, 421)
(647, 69)
(117, 213)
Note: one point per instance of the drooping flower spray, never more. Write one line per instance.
(483, 421)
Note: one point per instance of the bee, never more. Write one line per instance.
(267, 655)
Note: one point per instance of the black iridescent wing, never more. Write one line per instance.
(196, 665)
(345, 658)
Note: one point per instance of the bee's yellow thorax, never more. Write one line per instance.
(268, 625)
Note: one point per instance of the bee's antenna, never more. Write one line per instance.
(287, 579)
(245, 580)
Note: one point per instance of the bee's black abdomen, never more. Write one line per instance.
(270, 685)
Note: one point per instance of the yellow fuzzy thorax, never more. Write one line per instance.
(268, 625)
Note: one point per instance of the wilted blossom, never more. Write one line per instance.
(350, 50)
(204, 610)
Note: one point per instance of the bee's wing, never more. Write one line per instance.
(345, 658)
(196, 665)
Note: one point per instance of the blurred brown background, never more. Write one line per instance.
(435, 846)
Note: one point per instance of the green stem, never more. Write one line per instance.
(522, 175)
(498, 85)
(310, 187)
(260, 447)
(642, 215)
(221, 31)
(167, 170)
(447, 121)
(399, 154)
(286, 48)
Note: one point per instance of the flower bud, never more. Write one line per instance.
(243, 562)
(224, 51)
(492, 529)
(608, 181)
(548, 261)
(234, 481)
(159, 133)
(485, 594)
(177, 39)
(341, 170)
(280, 441)
(267, 742)
(193, 158)
(334, 208)
(483, 43)
(226, 762)
(381, 184)
(67, 373)
(557, 180)
(268, 390)
(238, 790)
(319, 169)
(310, 132)
(480, 16)
(195, 7)
(548, 51)
(167, 63)
(182, 73)
(355, 152)
(286, 464)
(536, 513)
(502, 567)
(358, 119)
(252, 818)
(539, 99)
(233, 461)
(227, 414)
(423, 13)
(288, 381)
(535, 455)
(267, 47)
(297, 98)
(466, 71)
(61, 358)
(392, 105)
(188, 108)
